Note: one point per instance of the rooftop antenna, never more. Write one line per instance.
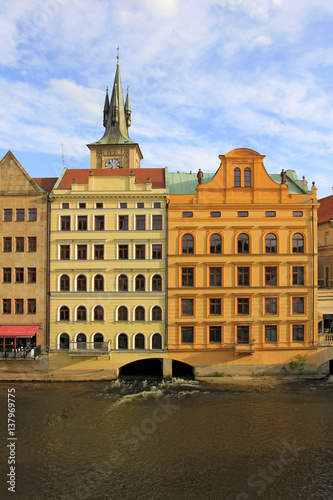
(62, 155)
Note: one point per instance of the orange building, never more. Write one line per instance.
(242, 268)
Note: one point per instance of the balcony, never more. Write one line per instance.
(325, 339)
(89, 348)
(20, 353)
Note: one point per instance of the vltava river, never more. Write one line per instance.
(169, 441)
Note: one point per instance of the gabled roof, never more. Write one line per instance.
(325, 211)
(46, 183)
(293, 187)
(81, 176)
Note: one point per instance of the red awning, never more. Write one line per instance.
(18, 330)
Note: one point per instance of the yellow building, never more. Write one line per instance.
(108, 249)
(242, 268)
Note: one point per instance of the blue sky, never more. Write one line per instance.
(205, 77)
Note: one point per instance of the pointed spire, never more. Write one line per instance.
(106, 108)
(116, 119)
(128, 109)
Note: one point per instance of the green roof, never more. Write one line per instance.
(185, 183)
(293, 187)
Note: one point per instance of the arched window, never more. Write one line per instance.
(298, 243)
(98, 283)
(81, 313)
(139, 283)
(139, 342)
(139, 313)
(64, 313)
(237, 177)
(122, 341)
(157, 283)
(64, 341)
(215, 243)
(270, 243)
(187, 243)
(122, 313)
(157, 313)
(64, 283)
(81, 283)
(247, 177)
(157, 341)
(243, 243)
(99, 313)
(123, 283)
(81, 341)
(98, 340)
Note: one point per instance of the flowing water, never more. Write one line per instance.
(170, 440)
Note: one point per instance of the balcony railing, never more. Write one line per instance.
(20, 353)
(325, 339)
(89, 348)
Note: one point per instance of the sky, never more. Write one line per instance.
(204, 77)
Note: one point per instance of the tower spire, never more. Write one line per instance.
(128, 109)
(106, 108)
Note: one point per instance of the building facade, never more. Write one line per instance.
(242, 266)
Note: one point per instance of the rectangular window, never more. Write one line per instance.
(123, 205)
(19, 274)
(187, 307)
(82, 223)
(64, 252)
(32, 243)
(6, 306)
(20, 214)
(99, 205)
(270, 214)
(187, 276)
(157, 204)
(298, 305)
(7, 244)
(298, 275)
(157, 222)
(20, 244)
(65, 205)
(99, 252)
(215, 306)
(140, 222)
(298, 333)
(243, 276)
(65, 223)
(297, 213)
(270, 276)
(215, 214)
(187, 214)
(7, 275)
(140, 205)
(215, 276)
(243, 213)
(99, 223)
(140, 252)
(327, 276)
(270, 333)
(32, 275)
(18, 306)
(156, 251)
(243, 334)
(32, 213)
(215, 334)
(123, 222)
(243, 306)
(270, 305)
(187, 334)
(7, 214)
(82, 205)
(31, 306)
(82, 252)
(123, 252)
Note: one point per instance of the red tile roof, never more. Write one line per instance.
(325, 211)
(141, 175)
(46, 183)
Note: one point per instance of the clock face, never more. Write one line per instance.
(112, 163)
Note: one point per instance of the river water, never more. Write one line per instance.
(169, 441)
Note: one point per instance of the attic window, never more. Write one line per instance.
(157, 204)
(298, 214)
(215, 214)
(243, 214)
(65, 205)
(82, 205)
(270, 214)
(99, 205)
(140, 205)
(123, 204)
(187, 214)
